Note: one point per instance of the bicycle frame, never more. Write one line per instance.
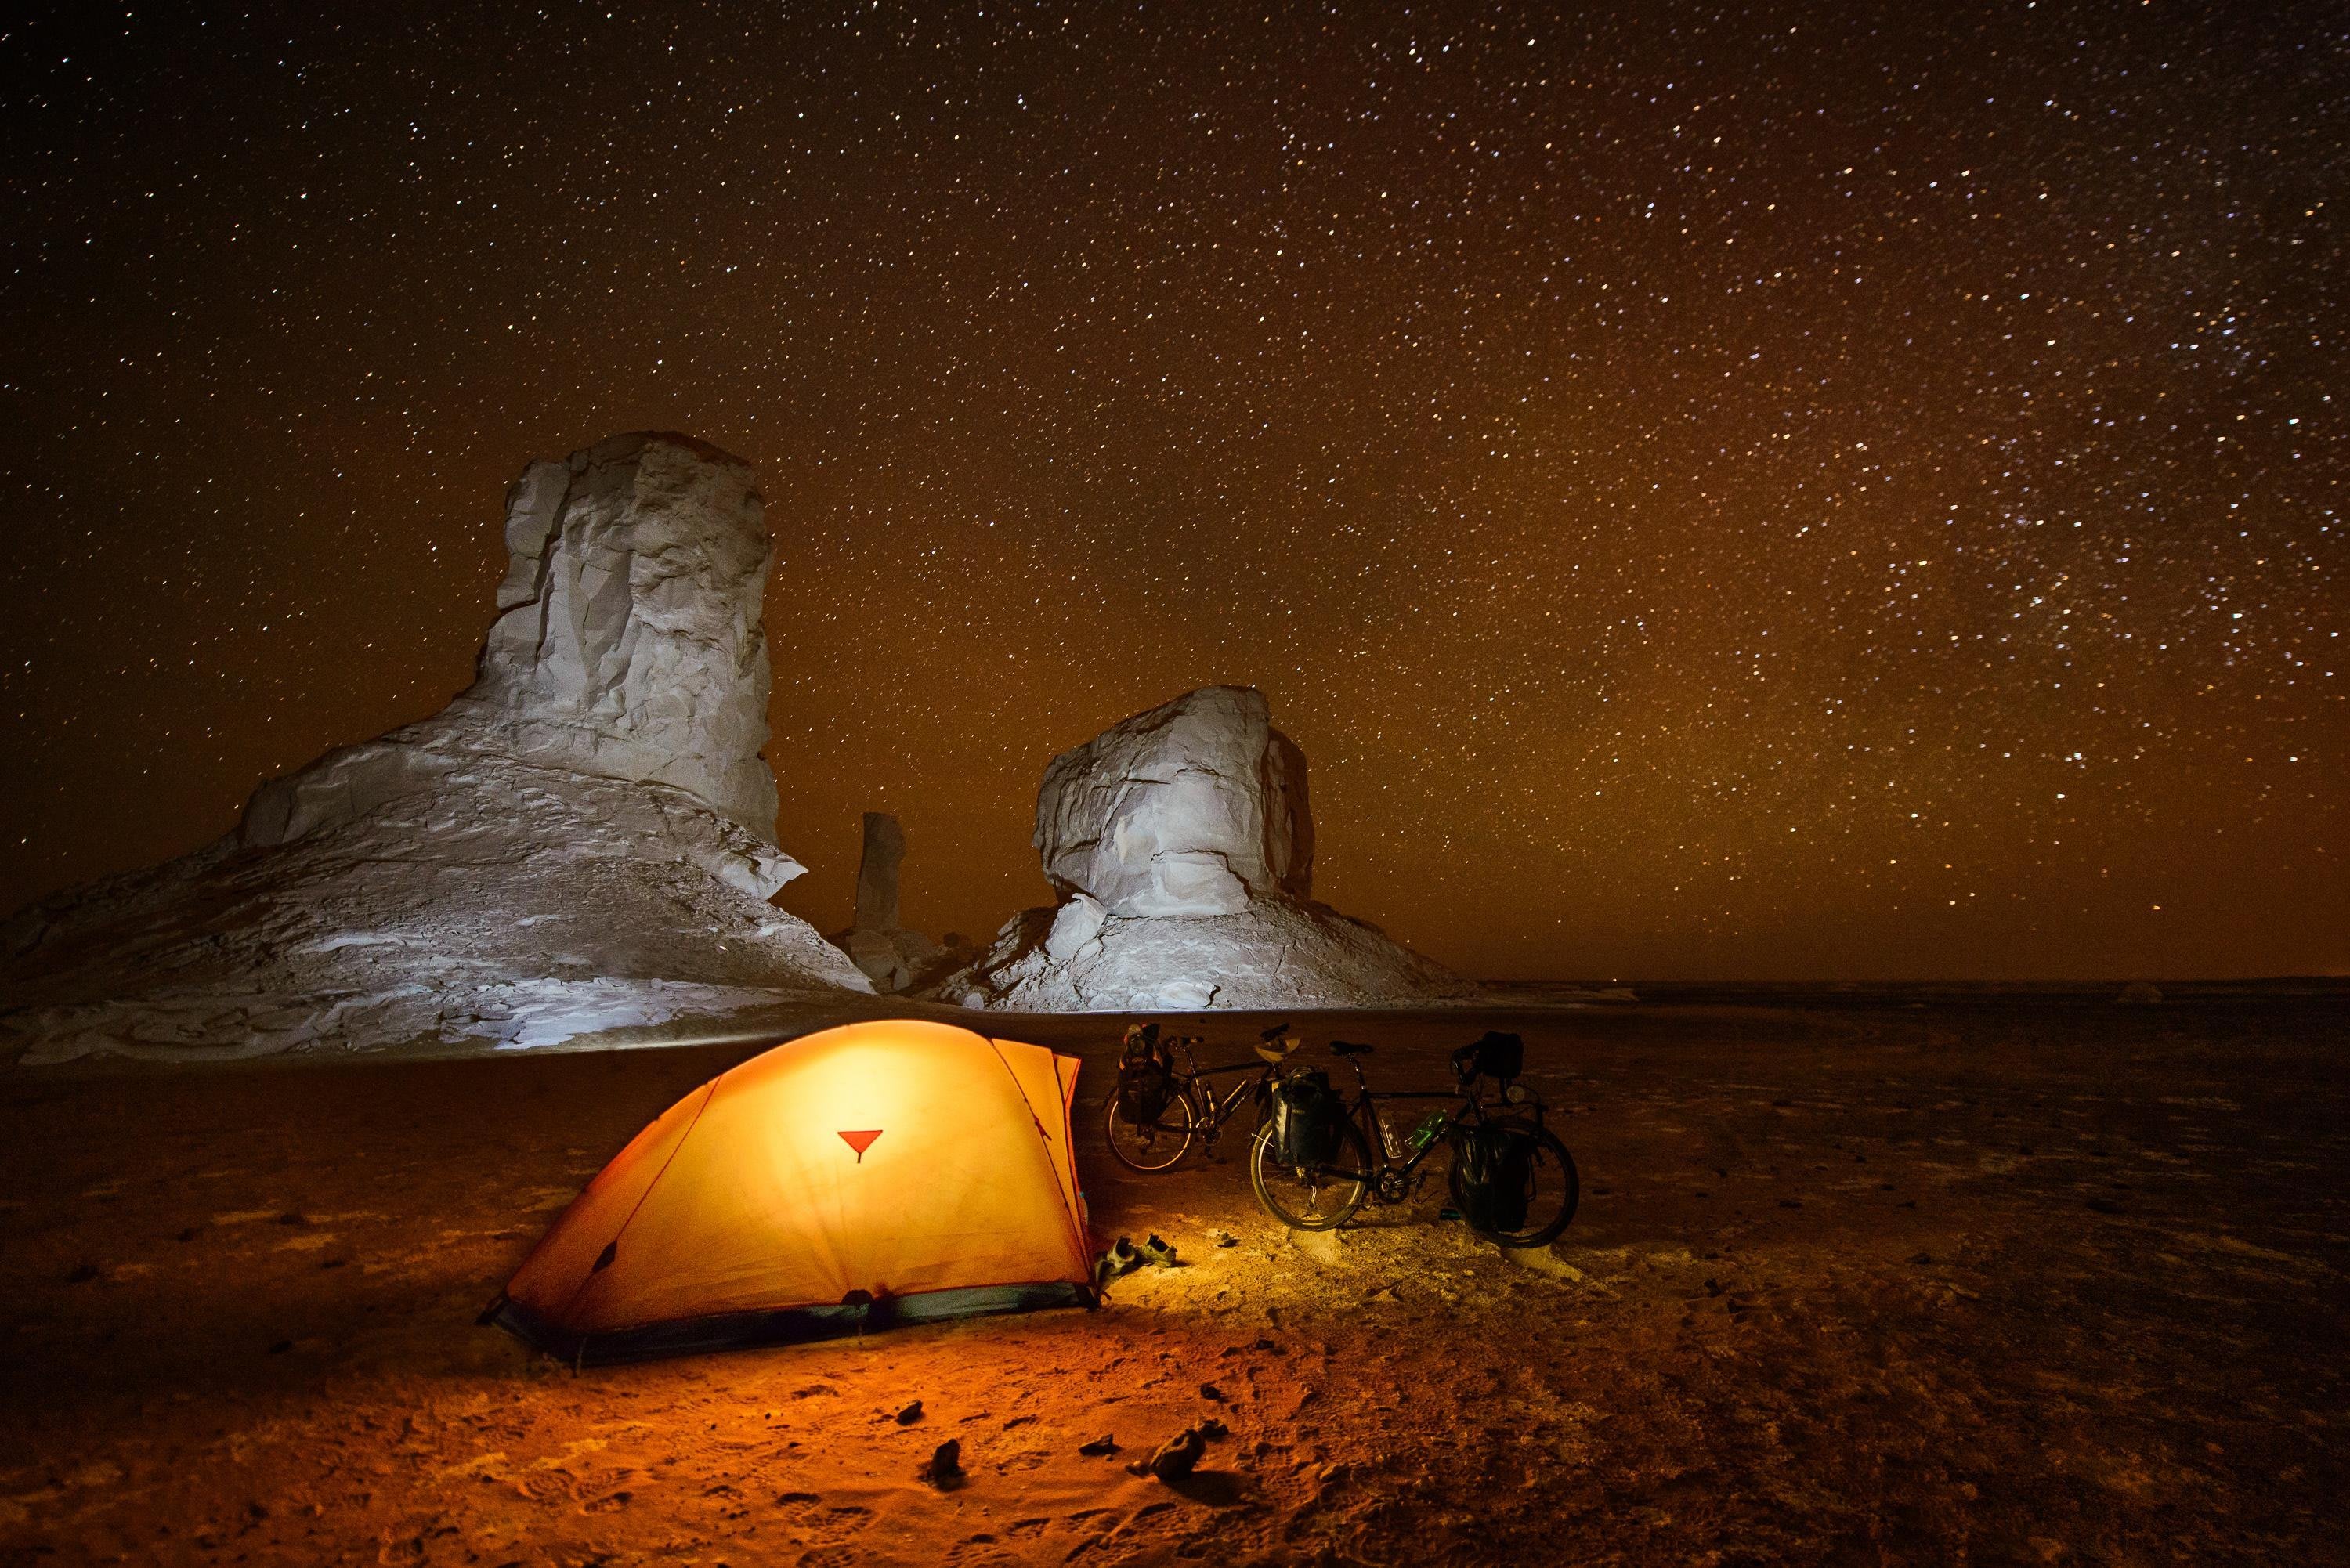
(1364, 1110)
(1209, 1112)
(1213, 1112)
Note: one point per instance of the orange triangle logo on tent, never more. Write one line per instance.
(860, 1142)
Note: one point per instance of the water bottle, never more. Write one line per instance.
(1430, 1126)
(1388, 1137)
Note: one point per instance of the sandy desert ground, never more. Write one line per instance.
(1879, 1276)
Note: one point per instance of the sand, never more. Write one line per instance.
(1996, 1278)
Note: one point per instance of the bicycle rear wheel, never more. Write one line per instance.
(1153, 1146)
(1553, 1191)
(1315, 1197)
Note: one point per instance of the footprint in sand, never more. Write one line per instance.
(805, 1514)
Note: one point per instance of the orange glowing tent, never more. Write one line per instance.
(887, 1172)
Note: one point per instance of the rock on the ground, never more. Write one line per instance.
(580, 841)
(1182, 846)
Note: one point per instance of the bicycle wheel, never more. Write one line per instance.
(1317, 1197)
(1553, 1189)
(1154, 1146)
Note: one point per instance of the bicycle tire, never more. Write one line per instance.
(1569, 1182)
(1353, 1184)
(1152, 1136)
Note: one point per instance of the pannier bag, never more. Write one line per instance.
(1493, 1175)
(1306, 1116)
(1145, 1083)
(1498, 1056)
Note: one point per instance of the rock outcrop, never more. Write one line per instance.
(1197, 808)
(580, 841)
(891, 957)
(1181, 843)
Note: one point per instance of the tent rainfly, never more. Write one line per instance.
(878, 1173)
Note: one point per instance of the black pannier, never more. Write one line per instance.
(1306, 1117)
(1493, 1175)
(1145, 1081)
(1498, 1056)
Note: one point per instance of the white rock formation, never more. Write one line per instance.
(631, 644)
(580, 841)
(1196, 808)
(893, 958)
(1183, 843)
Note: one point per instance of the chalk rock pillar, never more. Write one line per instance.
(877, 873)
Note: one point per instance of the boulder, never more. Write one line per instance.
(580, 841)
(1181, 844)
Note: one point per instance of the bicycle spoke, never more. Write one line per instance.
(1309, 1198)
(1152, 1146)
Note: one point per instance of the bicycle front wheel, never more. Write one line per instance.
(1149, 1146)
(1314, 1197)
(1552, 1192)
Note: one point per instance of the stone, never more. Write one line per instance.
(893, 961)
(1177, 1458)
(1076, 928)
(1182, 844)
(1195, 807)
(581, 841)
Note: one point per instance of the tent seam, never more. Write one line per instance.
(1085, 1247)
(709, 1091)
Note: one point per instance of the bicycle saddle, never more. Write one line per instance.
(1348, 1048)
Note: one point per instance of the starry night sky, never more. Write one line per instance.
(1716, 492)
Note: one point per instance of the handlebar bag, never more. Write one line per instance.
(1306, 1117)
(1493, 1175)
(1498, 1056)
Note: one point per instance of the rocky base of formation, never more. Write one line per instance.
(897, 960)
(504, 906)
(1275, 954)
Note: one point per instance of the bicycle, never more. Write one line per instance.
(1190, 1108)
(1325, 1194)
